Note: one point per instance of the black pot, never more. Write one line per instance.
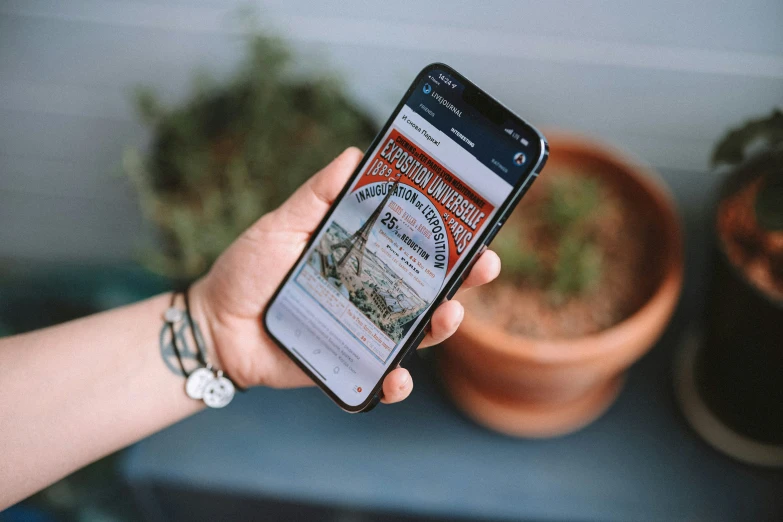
(731, 381)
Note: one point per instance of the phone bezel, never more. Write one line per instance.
(456, 279)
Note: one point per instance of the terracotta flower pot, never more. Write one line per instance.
(545, 387)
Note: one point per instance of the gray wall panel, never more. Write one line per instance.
(661, 79)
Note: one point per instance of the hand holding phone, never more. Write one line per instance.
(230, 299)
(402, 236)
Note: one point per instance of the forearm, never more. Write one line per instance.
(76, 392)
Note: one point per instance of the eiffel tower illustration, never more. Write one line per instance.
(356, 244)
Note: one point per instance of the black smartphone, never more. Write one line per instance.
(429, 195)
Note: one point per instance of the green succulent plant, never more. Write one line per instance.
(234, 151)
(760, 141)
(570, 207)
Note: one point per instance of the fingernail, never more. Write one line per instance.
(460, 317)
(405, 381)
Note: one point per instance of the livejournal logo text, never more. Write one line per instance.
(446, 103)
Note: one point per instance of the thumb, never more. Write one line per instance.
(308, 205)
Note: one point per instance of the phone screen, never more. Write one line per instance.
(423, 196)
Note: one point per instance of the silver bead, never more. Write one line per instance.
(218, 392)
(197, 383)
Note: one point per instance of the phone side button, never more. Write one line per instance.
(492, 234)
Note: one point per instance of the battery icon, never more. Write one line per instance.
(524, 142)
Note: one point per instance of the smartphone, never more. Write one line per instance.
(431, 192)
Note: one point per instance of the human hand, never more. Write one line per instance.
(230, 299)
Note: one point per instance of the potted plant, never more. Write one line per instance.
(592, 270)
(730, 382)
(234, 151)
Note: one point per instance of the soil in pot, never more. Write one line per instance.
(565, 284)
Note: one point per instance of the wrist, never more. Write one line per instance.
(204, 322)
(213, 333)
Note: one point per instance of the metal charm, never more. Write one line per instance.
(173, 315)
(218, 392)
(197, 382)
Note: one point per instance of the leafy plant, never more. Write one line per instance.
(567, 216)
(234, 151)
(578, 267)
(744, 144)
(519, 261)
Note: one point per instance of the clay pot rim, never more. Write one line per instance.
(660, 303)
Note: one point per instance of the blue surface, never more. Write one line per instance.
(639, 461)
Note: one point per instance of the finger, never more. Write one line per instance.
(397, 386)
(445, 321)
(486, 269)
(308, 205)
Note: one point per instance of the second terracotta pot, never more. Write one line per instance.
(544, 387)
